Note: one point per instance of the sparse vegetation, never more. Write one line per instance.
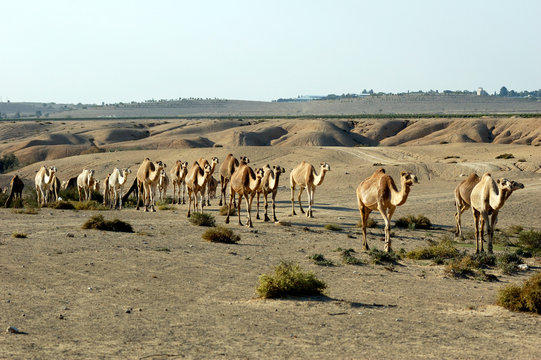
(224, 210)
(332, 227)
(505, 156)
(522, 298)
(221, 234)
(98, 222)
(435, 251)
(513, 230)
(62, 205)
(8, 162)
(508, 262)
(89, 205)
(382, 257)
(27, 210)
(18, 235)
(320, 260)
(202, 219)
(370, 223)
(414, 222)
(530, 240)
(348, 258)
(289, 280)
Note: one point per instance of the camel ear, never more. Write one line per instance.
(498, 181)
(402, 173)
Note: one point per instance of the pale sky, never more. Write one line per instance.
(71, 51)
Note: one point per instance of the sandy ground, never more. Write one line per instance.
(91, 294)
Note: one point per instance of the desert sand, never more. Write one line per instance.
(164, 293)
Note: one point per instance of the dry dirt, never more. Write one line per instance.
(164, 293)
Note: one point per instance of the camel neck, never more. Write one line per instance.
(399, 197)
(318, 179)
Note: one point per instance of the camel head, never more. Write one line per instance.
(244, 160)
(125, 172)
(278, 170)
(184, 165)
(408, 178)
(52, 170)
(96, 186)
(515, 185)
(325, 166)
(507, 185)
(91, 173)
(161, 164)
(215, 161)
(259, 173)
(207, 169)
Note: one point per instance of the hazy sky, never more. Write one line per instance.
(123, 50)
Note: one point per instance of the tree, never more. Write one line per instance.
(503, 91)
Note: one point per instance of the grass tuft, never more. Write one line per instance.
(289, 280)
(61, 205)
(320, 260)
(530, 240)
(370, 223)
(414, 222)
(381, 257)
(505, 156)
(221, 234)
(99, 223)
(19, 235)
(522, 298)
(435, 251)
(224, 209)
(332, 227)
(348, 258)
(202, 219)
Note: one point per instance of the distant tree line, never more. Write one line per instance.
(8, 162)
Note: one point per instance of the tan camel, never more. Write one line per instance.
(196, 180)
(178, 177)
(163, 184)
(55, 188)
(71, 183)
(84, 184)
(228, 167)
(16, 189)
(107, 191)
(305, 176)
(212, 186)
(202, 162)
(379, 192)
(487, 198)
(269, 185)
(462, 199)
(116, 182)
(148, 176)
(245, 183)
(43, 181)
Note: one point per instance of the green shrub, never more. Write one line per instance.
(61, 204)
(461, 267)
(8, 162)
(221, 234)
(289, 280)
(89, 205)
(522, 298)
(99, 223)
(202, 219)
(505, 156)
(508, 262)
(435, 251)
(320, 260)
(513, 230)
(414, 222)
(332, 227)
(383, 257)
(348, 258)
(530, 240)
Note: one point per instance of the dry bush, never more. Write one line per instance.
(99, 223)
(382, 257)
(414, 222)
(530, 240)
(61, 205)
(202, 219)
(89, 205)
(332, 227)
(320, 260)
(348, 258)
(522, 298)
(289, 280)
(505, 156)
(225, 209)
(19, 235)
(435, 251)
(221, 234)
(370, 223)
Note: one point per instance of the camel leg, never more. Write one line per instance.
(238, 208)
(387, 222)
(223, 186)
(207, 190)
(476, 215)
(229, 207)
(266, 217)
(365, 212)
(274, 206)
(493, 222)
(190, 202)
(301, 189)
(257, 213)
(293, 200)
(310, 190)
(249, 208)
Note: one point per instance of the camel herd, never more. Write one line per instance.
(484, 195)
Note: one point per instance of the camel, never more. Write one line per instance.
(196, 180)
(55, 188)
(202, 162)
(148, 176)
(71, 183)
(178, 176)
(244, 182)
(43, 182)
(462, 199)
(115, 184)
(379, 192)
(16, 189)
(95, 186)
(487, 198)
(212, 186)
(106, 191)
(227, 169)
(269, 185)
(163, 184)
(305, 176)
(84, 183)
